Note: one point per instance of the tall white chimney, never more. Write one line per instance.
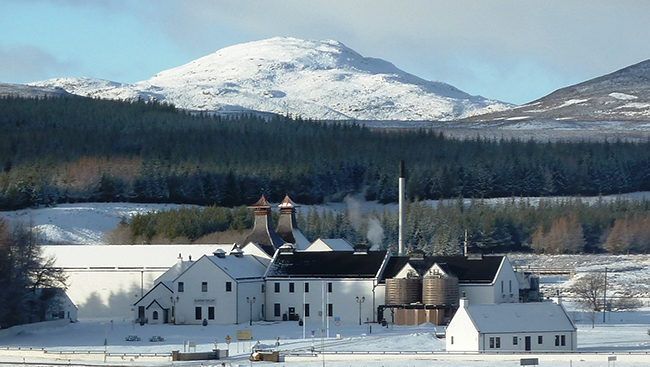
(400, 236)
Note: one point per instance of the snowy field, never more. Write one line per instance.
(624, 335)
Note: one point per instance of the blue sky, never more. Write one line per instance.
(511, 50)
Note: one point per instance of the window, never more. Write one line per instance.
(510, 285)
(277, 287)
(211, 313)
(557, 340)
(228, 286)
(562, 340)
(276, 309)
(329, 287)
(306, 309)
(502, 286)
(155, 315)
(181, 287)
(491, 342)
(452, 340)
(263, 287)
(306, 287)
(540, 339)
(291, 287)
(197, 313)
(204, 286)
(330, 309)
(515, 340)
(497, 342)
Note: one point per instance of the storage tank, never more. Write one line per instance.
(440, 291)
(403, 291)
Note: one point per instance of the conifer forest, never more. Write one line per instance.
(65, 150)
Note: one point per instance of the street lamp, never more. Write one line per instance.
(250, 304)
(173, 301)
(360, 301)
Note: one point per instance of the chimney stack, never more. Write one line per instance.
(400, 240)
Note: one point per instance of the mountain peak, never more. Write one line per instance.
(313, 79)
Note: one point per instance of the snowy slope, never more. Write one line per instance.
(312, 79)
(623, 95)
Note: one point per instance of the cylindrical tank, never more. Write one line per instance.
(403, 291)
(440, 291)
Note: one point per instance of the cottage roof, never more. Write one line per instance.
(481, 270)
(545, 316)
(327, 264)
(240, 267)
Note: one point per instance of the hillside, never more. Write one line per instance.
(623, 95)
(311, 79)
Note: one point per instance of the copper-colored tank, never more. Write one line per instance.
(403, 291)
(440, 291)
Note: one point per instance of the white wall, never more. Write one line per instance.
(342, 297)
(506, 286)
(461, 335)
(547, 345)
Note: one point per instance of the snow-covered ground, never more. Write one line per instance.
(624, 334)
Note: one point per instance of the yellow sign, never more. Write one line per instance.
(244, 335)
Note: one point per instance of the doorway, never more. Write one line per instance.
(528, 343)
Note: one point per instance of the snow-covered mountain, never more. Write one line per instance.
(623, 95)
(311, 79)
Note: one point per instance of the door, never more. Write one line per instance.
(528, 343)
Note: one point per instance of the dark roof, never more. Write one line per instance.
(482, 270)
(327, 264)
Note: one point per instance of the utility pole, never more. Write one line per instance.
(605, 297)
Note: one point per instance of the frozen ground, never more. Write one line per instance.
(624, 334)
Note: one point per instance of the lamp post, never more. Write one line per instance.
(173, 301)
(250, 304)
(360, 301)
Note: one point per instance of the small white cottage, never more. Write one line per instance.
(511, 327)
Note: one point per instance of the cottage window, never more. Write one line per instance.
(491, 342)
(263, 287)
(540, 339)
(211, 313)
(562, 340)
(306, 309)
(181, 287)
(276, 309)
(452, 340)
(306, 287)
(497, 342)
(502, 286)
(291, 287)
(510, 285)
(557, 340)
(329, 287)
(155, 315)
(204, 286)
(277, 287)
(515, 340)
(228, 286)
(197, 313)
(330, 309)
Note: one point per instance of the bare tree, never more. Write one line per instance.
(589, 290)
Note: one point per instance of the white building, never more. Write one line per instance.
(341, 286)
(222, 288)
(511, 327)
(105, 281)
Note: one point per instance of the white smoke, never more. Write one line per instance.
(375, 233)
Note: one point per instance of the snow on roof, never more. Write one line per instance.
(87, 256)
(333, 244)
(240, 267)
(520, 317)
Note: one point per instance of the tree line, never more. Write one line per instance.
(59, 150)
(27, 278)
(550, 226)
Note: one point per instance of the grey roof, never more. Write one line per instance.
(520, 317)
(327, 264)
(482, 270)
